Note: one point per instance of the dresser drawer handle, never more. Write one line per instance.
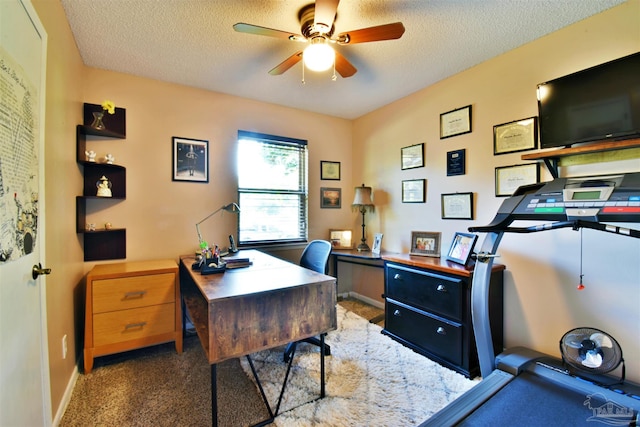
(441, 331)
(139, 325)
(396, 313)
(397, 277)
(134, 294)
(441, 288)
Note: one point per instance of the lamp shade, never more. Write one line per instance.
(362, 196)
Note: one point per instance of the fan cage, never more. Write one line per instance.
(611, 357)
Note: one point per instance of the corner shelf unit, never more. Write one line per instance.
(591, 153)
(101, 244)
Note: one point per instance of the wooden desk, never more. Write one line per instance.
(246, 310)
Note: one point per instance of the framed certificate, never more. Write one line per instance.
(329, 170)
(521, 135)
(413, 191)
(456, 162)
(457, 206)
(412, 156)
(509, 178)
(455, 122)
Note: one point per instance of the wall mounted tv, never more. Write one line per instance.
(597, 104)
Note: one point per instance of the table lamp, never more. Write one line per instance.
(231, 207)
(362, 202)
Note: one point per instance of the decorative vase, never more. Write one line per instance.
(97, 120)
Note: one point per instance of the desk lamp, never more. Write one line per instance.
(231, 207)
(362, 202)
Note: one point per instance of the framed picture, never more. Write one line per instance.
(412, 156)
(377, 243)
(457, 206)
(330, 197)
(456, 162)
(341, 239)
(521, 135)
(455, 122)
(413, 191)
(461, 247)
(329, 170)
(190, 160)
(425, 243)
(509, 178)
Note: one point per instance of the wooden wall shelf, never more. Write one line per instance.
(552, 158)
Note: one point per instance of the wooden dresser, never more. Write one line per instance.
(428, 308)
(131, 305)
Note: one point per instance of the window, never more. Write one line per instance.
(272, 189)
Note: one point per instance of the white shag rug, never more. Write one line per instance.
(370, 379)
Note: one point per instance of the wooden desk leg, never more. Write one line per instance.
(214, 396)
(322, 366)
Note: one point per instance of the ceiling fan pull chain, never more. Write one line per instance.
(581, 285)
(303, 82)
(334, 77)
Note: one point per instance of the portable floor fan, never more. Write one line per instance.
(591, 350)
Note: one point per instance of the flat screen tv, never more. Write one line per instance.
(597, 104)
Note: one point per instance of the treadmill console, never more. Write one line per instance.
(611, 198)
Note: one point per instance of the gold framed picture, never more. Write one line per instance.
(341, 239)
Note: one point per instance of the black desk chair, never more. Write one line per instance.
(314, 257)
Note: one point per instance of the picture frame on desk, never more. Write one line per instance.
(190, 160)
(341, 239)
(461, 247)
(425, 243)
(377, 243)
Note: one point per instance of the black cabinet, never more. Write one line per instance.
(102, 243)
(428, 308)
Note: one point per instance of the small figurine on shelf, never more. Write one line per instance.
(104, 187)
(109, 159)
(91, 155)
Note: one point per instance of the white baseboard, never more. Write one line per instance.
(370, 301)
(66, 398)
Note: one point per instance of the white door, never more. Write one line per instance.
(24, 363)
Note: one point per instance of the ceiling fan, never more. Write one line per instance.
(317, 29)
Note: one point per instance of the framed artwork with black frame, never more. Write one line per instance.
(190, 159)
(330, 198)
(412, 156)
(329, 170)
(455, 122)
(425, 243)
(413, 191)
(461, 247)
(457, 206)
(520, 135)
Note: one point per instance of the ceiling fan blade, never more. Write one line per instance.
(241, 27)
(372, 34)
(344, 67)
(286, 64)
(325, 13)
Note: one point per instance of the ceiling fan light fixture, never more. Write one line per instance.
(319, 57)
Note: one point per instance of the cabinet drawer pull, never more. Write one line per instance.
(397, 276)
(441, 288)
(441, 331)
(396, 313)
(134, 294)
(135, 325)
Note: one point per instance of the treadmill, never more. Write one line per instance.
(522, 386)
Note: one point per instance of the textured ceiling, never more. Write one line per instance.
(192, 42)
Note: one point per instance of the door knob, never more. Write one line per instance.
(38, 270)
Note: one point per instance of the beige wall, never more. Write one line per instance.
(160, 214)
(543, 269)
